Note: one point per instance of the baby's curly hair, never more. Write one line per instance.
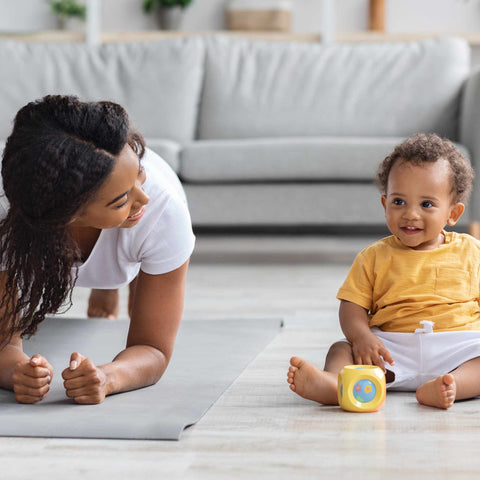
(422, 148)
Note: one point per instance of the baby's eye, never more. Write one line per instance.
(427, 204)
(398, 201)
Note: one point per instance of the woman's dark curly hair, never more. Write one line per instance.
(59, 154)
(422, 148)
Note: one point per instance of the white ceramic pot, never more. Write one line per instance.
(170, 18)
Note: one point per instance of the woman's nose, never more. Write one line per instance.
(142, 197)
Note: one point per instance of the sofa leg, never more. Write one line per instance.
(474, 229)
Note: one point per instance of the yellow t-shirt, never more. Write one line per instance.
(400, 286)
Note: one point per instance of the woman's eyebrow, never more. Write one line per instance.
(116, 199)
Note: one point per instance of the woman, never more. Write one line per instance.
(84, 208)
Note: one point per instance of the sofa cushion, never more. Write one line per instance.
(273, 89)
(293, 204)
(288, 204)
(292, 159)
(157, 82)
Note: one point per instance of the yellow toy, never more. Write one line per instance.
(361, 388)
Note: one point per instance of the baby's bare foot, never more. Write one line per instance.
(439, 393)
(103, 304)
(312, 383)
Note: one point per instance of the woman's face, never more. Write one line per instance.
(121, 201)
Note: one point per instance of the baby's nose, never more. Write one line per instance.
(411, 213)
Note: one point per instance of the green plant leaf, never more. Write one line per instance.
(68, 8)
(148, 5)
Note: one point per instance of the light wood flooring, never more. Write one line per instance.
(259, 429)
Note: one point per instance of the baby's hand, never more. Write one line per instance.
(31, 379)
(370, 350)
(84, 382)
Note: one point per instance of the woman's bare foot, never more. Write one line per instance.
(103, 304)
(439, 393)
(312, 383)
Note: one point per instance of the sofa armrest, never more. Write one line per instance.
(469, 135)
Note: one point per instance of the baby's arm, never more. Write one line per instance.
(367, 348)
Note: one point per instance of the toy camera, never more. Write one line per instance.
(361, 388)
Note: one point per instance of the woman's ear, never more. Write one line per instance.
(456, 211)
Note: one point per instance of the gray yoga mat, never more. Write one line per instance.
(209, 355)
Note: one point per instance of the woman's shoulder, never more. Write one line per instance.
(161, 180)
(168, 203)
(166, 224)
(4, 204)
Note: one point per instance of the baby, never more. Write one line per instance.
(410, 303)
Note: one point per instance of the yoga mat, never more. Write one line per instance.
(209, 355)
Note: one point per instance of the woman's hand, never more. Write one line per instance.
(31, 379)
(84, 382)
(103, 304)
(369, 350)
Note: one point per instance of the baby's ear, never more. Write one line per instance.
(456, 211)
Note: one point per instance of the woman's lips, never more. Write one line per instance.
(137, 216)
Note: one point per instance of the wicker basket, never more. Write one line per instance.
(266, 15)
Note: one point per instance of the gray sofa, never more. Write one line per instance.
(267, 134)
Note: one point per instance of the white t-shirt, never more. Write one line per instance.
(162, 240)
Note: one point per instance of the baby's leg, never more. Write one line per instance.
(461, 383)
(312, 383)
(467, 379)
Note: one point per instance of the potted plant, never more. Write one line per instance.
(170, 12)
(66, 10)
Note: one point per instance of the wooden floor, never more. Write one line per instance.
(259, 429)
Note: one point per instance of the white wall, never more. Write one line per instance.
(407, 16)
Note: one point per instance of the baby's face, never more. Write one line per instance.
(419, 203)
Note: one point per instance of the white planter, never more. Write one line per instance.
(70, 23)
(170, 18)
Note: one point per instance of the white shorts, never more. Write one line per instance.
(424, 355)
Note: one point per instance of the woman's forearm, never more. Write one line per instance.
(10, 356)
(135, 367)
(155, 315)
